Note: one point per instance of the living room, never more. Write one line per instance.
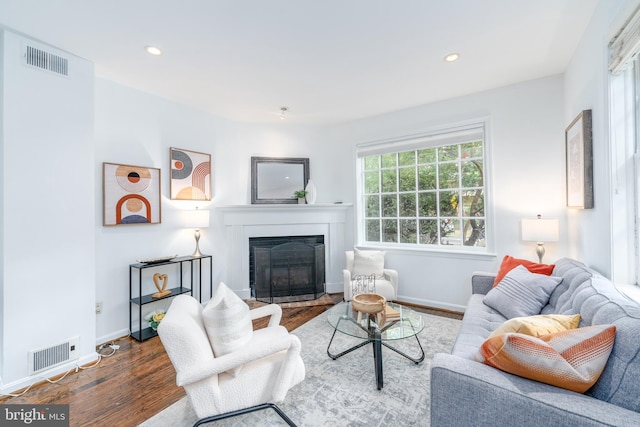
(56, 267)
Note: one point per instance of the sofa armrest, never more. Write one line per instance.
(481, 282)
(464, 392)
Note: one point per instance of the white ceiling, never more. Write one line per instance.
(329, 61)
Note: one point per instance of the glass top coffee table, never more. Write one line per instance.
(344, 319)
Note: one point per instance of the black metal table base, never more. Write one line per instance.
(375, 339)
(246, 411)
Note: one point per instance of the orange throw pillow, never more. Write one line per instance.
(509, 263)
(572, 359)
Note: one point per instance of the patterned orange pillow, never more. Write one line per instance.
(509, 263)
(572, 359)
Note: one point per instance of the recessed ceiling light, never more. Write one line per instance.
(452, 57)
(153, 50)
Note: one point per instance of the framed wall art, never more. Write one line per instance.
(130, 194)
(190, 175)
(579, 162)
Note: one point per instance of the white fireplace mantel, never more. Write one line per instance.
(242, 222)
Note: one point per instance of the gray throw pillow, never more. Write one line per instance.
(521, 293)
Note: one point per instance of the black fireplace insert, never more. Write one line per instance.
(287, 269)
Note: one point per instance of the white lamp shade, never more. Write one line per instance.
(540, 230)
(197, 219)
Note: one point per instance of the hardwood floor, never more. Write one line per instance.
(138, 381)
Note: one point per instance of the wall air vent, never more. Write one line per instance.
(48, 357)
(46, 60)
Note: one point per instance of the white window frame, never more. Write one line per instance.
(624, 98)
(448, 135)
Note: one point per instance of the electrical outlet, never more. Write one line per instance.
(99, 307)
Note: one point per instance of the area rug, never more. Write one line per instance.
(343, 392)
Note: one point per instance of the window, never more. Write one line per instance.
(428, 190)
(624, 85)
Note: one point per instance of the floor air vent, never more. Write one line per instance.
(48, 357)
(46, 60)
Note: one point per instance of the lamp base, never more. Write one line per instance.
(540, 251)
(197, 252)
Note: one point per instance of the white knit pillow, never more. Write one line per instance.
(367, 263)
(227, 322)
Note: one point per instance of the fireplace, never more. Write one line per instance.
(287, 268)
(245, 222)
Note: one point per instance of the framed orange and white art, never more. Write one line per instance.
(131, 194)
(190, 175)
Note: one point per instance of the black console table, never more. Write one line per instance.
(138, 299)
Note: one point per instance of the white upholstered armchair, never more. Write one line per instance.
(255, 376)
(360, 262)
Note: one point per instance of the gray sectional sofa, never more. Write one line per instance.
(469, 393)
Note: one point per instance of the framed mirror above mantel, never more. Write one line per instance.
(275, 179)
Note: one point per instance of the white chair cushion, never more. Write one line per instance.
(227, 322)
(368, 262)
(385, 288)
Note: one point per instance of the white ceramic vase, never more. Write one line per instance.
(311, 192)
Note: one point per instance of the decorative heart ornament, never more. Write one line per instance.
(162, 289)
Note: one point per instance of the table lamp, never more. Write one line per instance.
(540, 230)
(198, 219)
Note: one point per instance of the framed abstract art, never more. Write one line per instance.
(579, 162)
(190, 175)
(131, 194)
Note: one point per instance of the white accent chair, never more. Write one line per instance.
(387, 286)
(271, 363)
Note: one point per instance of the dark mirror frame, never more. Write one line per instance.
(255, 183)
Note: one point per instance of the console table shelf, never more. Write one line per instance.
(137, 299)
(146, 299)
(146, 334)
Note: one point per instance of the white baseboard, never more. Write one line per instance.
(112, 336)
(434, 304)
(50, 373)
(333, 288)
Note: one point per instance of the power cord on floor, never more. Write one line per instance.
(114, 347)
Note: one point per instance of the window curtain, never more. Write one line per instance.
(469, 133)
(625, 44)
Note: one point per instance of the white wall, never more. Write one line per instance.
(48, 226)
(135, 128)
(586, 87)
(526, 131)
(525, 155)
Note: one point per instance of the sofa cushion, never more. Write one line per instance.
(227, 321)
(509, 263)
(541, 324)
(571, 359)
(477, 324)
(521, 293)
